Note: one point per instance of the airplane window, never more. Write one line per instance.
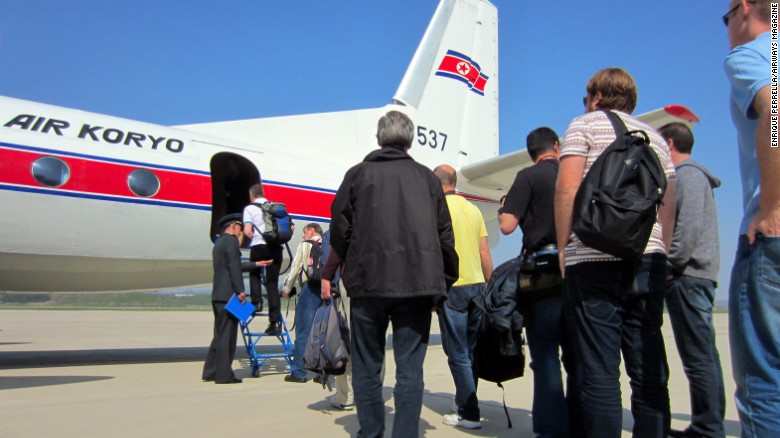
(143, 182)
(50, 171)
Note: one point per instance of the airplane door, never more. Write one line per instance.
(231, 177)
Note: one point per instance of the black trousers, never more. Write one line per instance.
(219, 361)
(267, 252)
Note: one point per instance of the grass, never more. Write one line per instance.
(111, 301)
(106, 300)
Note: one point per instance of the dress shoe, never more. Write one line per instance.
(293, 379)
(208, 379)
(258, 307)
(274, 329)
(235, 380)
(687, 433)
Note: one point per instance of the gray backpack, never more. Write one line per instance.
(327, 351)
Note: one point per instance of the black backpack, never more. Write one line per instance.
(313, 266)
(499, 355)
(278, 223)
(617, 203)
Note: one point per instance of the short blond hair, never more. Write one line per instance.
(763, 9)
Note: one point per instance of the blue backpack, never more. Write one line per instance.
(278, 224)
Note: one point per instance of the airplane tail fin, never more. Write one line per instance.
(451, 84)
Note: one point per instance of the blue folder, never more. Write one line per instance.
(241, 311)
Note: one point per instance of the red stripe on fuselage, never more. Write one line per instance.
(301, 201)
(478, 198)
(105, 178)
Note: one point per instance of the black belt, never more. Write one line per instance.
(545, 250)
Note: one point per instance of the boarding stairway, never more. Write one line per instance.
(258, 352)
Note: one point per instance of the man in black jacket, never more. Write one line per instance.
(227, 281)
(391, 226)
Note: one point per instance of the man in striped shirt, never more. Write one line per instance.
(615, 305)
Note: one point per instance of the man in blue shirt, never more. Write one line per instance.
(754, 295)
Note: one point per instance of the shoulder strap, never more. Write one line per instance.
(260, 206)
(617, 123)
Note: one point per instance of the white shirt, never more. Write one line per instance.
(254, 215)
(588, 136)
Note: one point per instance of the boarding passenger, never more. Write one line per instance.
(308, 300)
(529, 206)
(227, 282)
(616, 305)
(754, 294)
(692, 275)
(458, 318)
(392, 228)
(254, 226)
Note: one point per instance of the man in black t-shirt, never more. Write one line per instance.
(529, 205)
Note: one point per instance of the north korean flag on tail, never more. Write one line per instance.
(459, 66)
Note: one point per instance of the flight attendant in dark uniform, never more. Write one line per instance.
(227, 281)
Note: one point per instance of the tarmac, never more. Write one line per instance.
(138, 374)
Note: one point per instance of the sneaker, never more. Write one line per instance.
(293, 379)
(334, 401)
(274, 329)
(455, 420)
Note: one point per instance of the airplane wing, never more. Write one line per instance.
(497, 173)
(668, 114)
(494, 176)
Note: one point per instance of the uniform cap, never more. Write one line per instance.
(235, 217)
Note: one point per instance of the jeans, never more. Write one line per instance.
(411, 319)
(754, 329)
(689, 302)
(459, 323)
(307, 305)
(618, 307)
(554, 415)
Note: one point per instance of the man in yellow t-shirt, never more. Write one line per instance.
(458, 319)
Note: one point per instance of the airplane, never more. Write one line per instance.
(118, 204)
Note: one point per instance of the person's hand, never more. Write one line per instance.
(325, 290)
(262, 263)
(562, 263)
(241, 297)
(288, 294)
(766, 222)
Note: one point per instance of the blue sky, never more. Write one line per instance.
(177, 62)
